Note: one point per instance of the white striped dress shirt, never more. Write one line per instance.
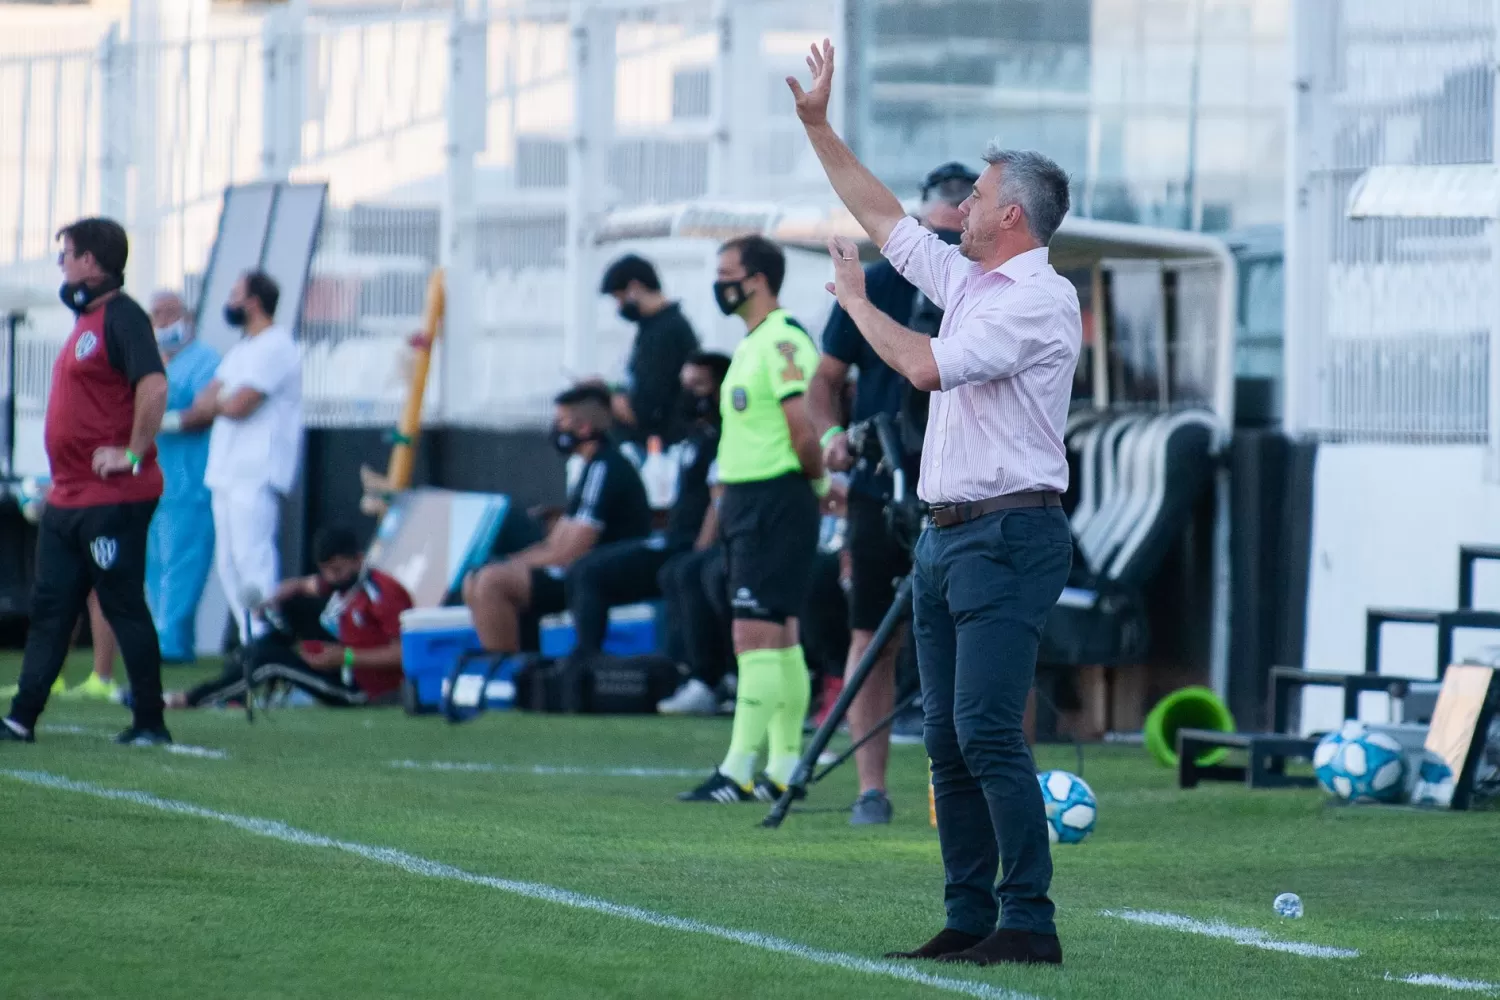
(1005, 355)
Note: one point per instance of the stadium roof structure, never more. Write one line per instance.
(1080, 243)
(16, 299)
(1453, 191)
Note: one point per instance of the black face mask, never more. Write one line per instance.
(630, 312)
(78, 295)
(567, 442)
(951, 236)
(730, 295)
(234, 315)
(342, 584)
(692, 407)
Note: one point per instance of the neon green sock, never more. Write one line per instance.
(758, 696)
(786, 724)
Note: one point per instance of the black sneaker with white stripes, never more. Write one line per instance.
(720, 788)
(136, 736)
(768, 790)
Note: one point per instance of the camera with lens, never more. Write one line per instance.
(877, 445)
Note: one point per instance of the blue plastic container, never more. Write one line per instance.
(632, 631)
(432, 640)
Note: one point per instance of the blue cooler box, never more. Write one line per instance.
(632, 632)
(432, 640)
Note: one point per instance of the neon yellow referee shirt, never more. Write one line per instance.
(773, 363)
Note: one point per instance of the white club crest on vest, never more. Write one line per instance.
(85, 345)
(104, 551)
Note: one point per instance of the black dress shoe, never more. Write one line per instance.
(137, 736)
(1012, 947)
(947, 942)
(9, 735)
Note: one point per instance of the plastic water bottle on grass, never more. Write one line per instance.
(1288, 905)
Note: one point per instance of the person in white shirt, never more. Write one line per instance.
(255, 402)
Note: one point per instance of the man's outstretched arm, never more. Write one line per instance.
(873, 204)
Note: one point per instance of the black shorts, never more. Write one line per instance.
(549, 595)
(770, 535)
(549, 591)
(876, 562)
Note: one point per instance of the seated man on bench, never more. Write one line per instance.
(335, 635)
(607, 505)
(639, 569)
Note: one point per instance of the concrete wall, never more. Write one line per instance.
(1387, 524)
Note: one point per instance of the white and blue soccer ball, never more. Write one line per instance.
(1432, 783)
(1071, 806)
(31, 496)
(1358, 765)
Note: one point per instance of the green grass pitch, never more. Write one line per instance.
(118, 897)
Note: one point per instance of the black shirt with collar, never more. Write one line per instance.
(663, 343)
(610, 498)
(695, 457)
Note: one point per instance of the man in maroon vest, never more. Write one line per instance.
(109, 391)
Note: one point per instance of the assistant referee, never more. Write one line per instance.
(109, 391)
(771, 467)
(996, 557)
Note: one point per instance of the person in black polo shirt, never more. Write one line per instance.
(625, 572)
(109, 391)
(647, 404)
(877, 560)
(607, 505)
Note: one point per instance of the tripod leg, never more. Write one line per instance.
(902, 704)
(900, 609)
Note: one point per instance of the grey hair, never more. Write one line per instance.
(165, 295)
(1036, 183)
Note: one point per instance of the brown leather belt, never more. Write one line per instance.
(948, 514)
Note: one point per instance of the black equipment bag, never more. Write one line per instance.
(604, 685)
(545, 685)
(632, 685)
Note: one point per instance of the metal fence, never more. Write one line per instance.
(1391, 322)
(486, 141)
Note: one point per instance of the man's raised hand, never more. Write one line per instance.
(812, 104)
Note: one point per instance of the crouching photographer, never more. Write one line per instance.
(878, 559)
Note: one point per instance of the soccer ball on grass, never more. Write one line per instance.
(1358, 765)
(1071, 806)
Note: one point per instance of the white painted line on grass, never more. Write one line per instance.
(547, 770)
(1446, 982)
(181, 749)
(188, 750)
(1249, 936)
(414, 865)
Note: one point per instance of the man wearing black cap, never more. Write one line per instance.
(646, 406)
(877, 559)
(109, 391)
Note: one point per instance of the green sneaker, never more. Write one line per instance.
(95, 688)
(58, 687)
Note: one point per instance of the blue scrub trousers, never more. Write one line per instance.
(179, 552)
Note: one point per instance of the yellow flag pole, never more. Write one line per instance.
(379, 489)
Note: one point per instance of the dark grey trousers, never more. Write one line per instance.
(982, 593)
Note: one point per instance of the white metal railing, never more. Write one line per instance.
(483, 142)
(1391, 323)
